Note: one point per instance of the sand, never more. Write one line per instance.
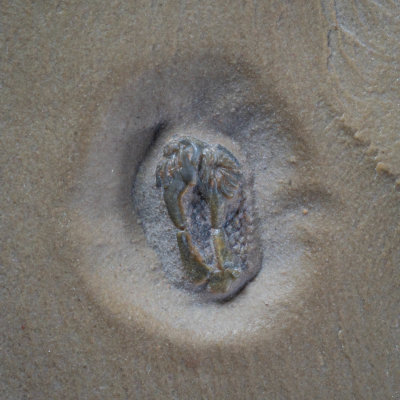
(307, 92)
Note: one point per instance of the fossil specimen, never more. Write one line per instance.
(204, 192)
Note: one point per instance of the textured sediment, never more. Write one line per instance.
(304, 94)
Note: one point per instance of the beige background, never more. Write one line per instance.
(334, 66)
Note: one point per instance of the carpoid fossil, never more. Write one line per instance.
(204, 192)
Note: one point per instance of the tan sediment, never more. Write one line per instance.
(74, 328)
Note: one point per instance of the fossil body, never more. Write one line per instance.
(204, 191)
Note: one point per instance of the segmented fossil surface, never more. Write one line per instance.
(206, 196)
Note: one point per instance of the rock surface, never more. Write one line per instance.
(312, 86)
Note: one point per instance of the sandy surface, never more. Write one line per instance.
(310, 90)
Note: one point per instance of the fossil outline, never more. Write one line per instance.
(215, 173)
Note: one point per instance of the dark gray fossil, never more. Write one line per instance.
(205, 195)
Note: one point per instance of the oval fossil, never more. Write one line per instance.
(206, 196)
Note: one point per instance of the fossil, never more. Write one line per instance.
(204, 191)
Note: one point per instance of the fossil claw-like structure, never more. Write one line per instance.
(219, 180)
(203, 189)
(177, 174)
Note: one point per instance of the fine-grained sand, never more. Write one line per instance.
(305, 92)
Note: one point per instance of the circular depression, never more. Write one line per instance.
(116, 260)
